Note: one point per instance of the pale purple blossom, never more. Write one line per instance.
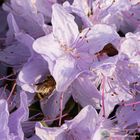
(121, 14)
(68, 52)
(86, 125)
(11, 127)
(92, 50)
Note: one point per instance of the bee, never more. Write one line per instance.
(108, 49)
(45, 88)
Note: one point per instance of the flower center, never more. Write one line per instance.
(71, 51)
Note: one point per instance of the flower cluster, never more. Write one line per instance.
(69, 69)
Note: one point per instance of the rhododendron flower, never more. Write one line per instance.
(3, 24)
(78, 62)
(83, 95)
(122, 14)
(29, 59)
(128, 115)
(10, 124)
(29, 15)
(15, 53)
(86, 125)
(68, 52)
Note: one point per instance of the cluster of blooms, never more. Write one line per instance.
(60, 55)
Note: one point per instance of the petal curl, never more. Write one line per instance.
(64, 26)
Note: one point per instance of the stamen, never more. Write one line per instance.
(4, 89)
(61, 107)
(7, 77)
(80, 39)
(11, 92)
(110, 5)
(103, 89)
(132, 104)
(57, 118)
(32, 117)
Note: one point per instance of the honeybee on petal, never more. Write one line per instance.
(108, 50)
(45, 88)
